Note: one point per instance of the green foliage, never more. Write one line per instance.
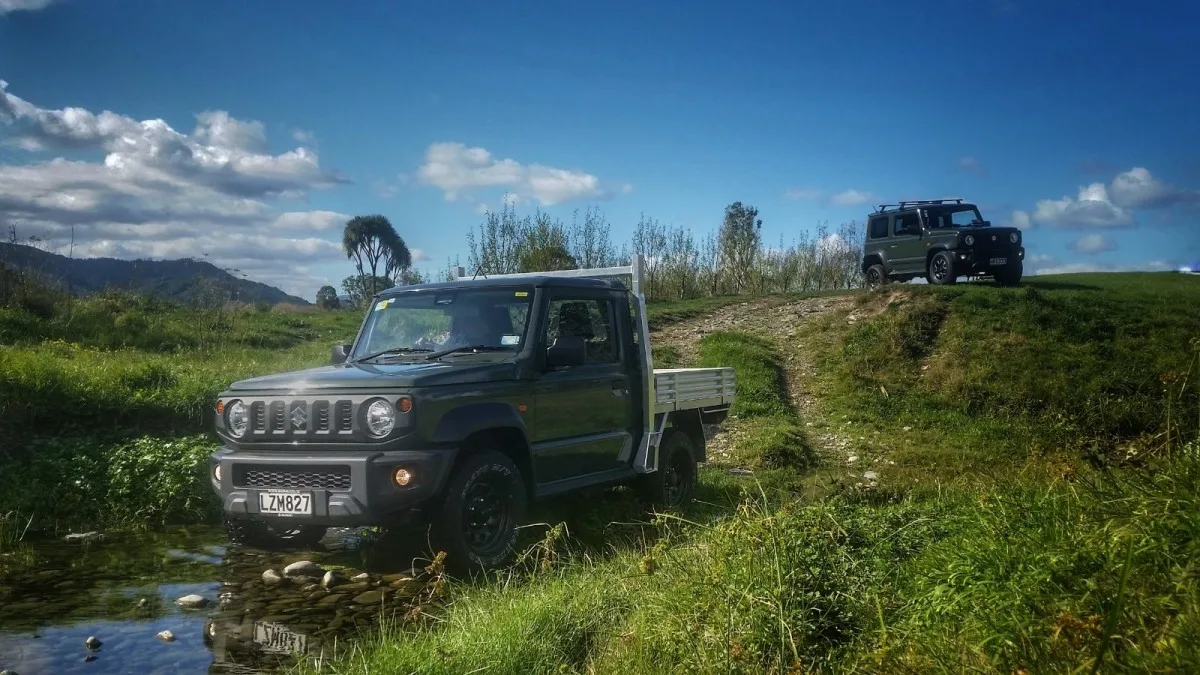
(361, 288)
(376, 249)
(89, 482)
(327, 298)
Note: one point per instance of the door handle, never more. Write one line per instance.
(618, 388)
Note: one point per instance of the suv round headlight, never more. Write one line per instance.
(969, 240)
(1013, 237)
(236, 419)
(381, 418)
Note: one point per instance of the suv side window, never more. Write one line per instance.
(904, 222)
(879, 227)
(588, 318)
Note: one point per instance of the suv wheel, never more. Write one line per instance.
(674, 484)
(269, 537)
(941, 268)
(876, 276)
(1009, 275)
(485, 501)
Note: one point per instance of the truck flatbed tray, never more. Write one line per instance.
(691, 388)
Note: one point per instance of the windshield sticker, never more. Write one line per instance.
(521, 294)
(382, 304)
(509, 340)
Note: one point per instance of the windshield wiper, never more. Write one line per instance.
(393, 350)
(467, 348)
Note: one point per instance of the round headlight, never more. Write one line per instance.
(236, 419)
(381, 418)
(1013, 237)
(969, 239)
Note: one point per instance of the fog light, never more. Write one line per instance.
(217, 473)
(401, 476)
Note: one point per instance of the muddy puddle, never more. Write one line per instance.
(225, 609)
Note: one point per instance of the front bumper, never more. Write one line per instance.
(969, 261)
(347, 488)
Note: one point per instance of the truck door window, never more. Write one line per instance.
(589, 319)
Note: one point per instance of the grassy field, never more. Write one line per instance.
(111, 391)
(1040, 515)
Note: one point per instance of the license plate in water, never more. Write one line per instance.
(273, 637)
(285, 503)
(999, 261)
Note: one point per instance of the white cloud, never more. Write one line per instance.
(1092, 244)
(971, 165)
(457, 169)
(155, 192)
(418, 255)
(304, 136)
(7, 6)
(852, 197)
(1039, 259)
(802, 194)
(1092, 208)
(1137, 188)
(1021, 220)
(1082, 267)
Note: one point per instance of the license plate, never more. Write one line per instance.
(285, 503)
(273, 637)
(999, 261)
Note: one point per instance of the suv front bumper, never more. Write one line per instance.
(968, 261)
(346, 488)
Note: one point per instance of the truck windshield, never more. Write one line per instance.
(433, 321)
(954, 216)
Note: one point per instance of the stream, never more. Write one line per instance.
(123, 590)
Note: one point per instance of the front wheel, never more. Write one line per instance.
(674, 484)
(1009, 275)
(266, 536)
(941, 268)
(476, 523)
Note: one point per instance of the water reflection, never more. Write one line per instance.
(123, 591)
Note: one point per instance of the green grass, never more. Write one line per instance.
(1076, 554)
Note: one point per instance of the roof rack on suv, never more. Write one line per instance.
(916, 202)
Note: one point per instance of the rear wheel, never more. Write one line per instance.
(476, 523)
(941, 268)
(876, 276)
(270, 537)
(1009, 275)
(674, 484)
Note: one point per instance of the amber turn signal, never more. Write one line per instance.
(404, 404)
(220, 407)
(401, 476)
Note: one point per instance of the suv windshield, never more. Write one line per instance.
(434, 321)
(953, 216)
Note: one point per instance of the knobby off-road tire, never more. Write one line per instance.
(1009, 275)
(269, 537)
(876, 276)
(477, 519)
(941, 269)
(674, 484)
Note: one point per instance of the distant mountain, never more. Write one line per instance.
(171, 279)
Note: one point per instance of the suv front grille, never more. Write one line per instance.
(300, 418)
(314, 478)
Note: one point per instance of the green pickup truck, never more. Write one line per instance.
(460, 403)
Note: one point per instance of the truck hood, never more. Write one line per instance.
(374, 376)
(1000, 232)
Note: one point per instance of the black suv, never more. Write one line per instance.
(941, 240)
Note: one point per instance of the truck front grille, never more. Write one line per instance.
(335, 477)
(300, 418)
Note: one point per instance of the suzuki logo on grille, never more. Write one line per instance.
(993, 237)
(298, 416)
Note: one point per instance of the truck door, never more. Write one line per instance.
(908, 246)
(584, 414)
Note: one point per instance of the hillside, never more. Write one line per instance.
(168, 279)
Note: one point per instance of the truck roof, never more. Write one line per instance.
(502, 282)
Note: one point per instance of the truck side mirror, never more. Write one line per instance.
(339, 354)
(567, 350)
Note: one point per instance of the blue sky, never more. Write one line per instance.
(276, 120)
